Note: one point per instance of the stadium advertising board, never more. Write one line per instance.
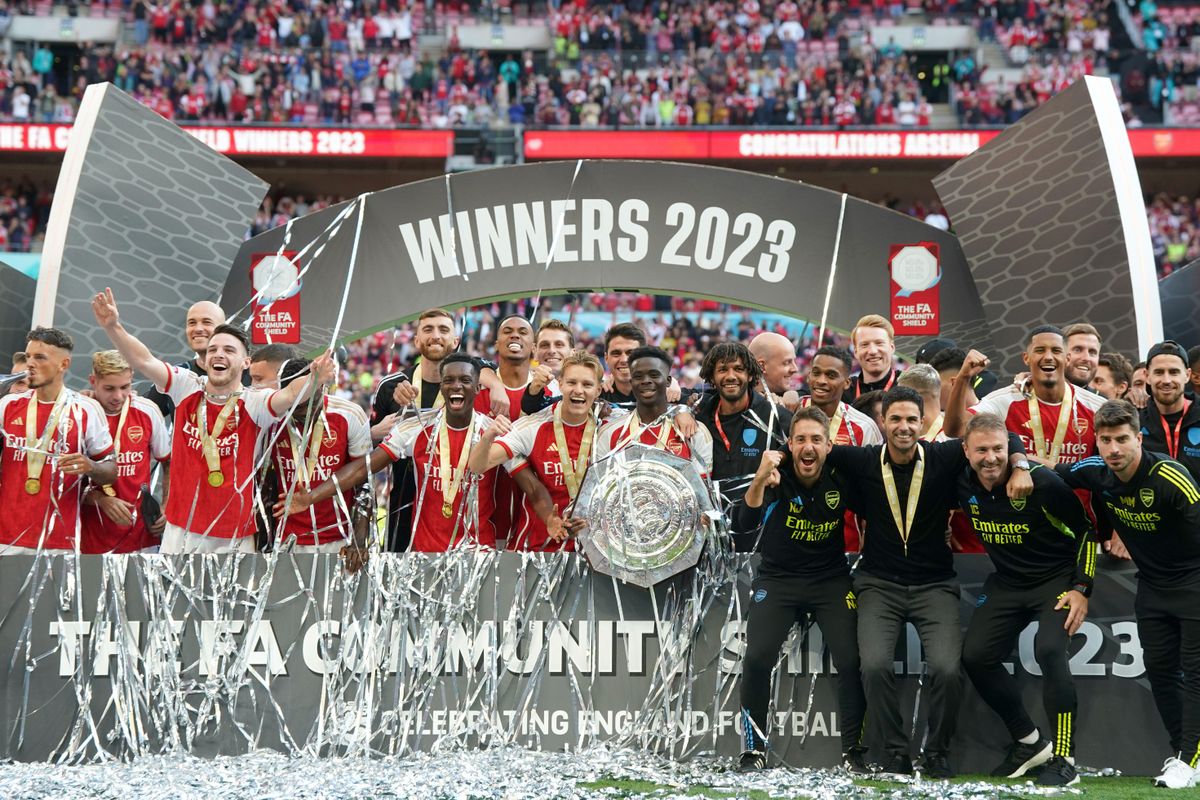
(256, 141)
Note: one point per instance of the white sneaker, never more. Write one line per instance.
(1176, 774)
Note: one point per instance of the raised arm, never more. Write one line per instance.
(955, 420)
(486, 454)
(104, 306)
(322, 370)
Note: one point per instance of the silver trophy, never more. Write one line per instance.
(646, 512)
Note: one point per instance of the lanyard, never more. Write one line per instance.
(858, 384)
(208, 442)
(903, 523)
(452, 477)
(836, 423)
(1173, 438)
(935, 428)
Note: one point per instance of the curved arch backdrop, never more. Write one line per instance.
(664, 228)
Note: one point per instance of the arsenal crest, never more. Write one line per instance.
(832, 499)
(1147, 497)
(136, 434)
(1080, 424)
(1018, 503)
(330, 438)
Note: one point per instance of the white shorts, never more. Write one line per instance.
(176, 541)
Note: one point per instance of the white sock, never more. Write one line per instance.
(1031, 738)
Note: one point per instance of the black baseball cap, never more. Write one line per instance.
(932, 348)
(1168, 348)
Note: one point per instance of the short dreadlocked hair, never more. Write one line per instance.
(730, 351)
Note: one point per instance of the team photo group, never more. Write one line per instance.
(856, 483)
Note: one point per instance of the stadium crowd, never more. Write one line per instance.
(626, 64)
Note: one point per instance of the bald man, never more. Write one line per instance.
(777, 356)
(202, 319)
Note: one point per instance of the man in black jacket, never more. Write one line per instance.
(1171, 421)
(905, 490)
(1044, 549)
(743, 423)
(801, 507)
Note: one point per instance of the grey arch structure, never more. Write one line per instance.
(552, 228)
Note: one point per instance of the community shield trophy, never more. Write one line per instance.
(646, 512)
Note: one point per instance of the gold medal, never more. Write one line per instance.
(33, 486)
(447, 510)
(216, 479)
(208, 441)
(35, 459)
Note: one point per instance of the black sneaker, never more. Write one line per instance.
(1023, 757)
(935, 766)
(854, 761)
(896, 764)
(1058, 772)
(752, 761)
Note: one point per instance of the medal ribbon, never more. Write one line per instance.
(858, 384)
(935, 429)
(1060, 431)
(903, 524)
(306, 461)
(208, 442)
(108, 489)
(835, 424)
(634, 429)
(573, 470)
(452, 479)
(35, 461)
(1173, 438)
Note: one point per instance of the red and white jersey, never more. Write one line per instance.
(856, 428)
(49, 518)
(1079, 441)
(225, 511)
(434, 531)
(345, 437)
(531, 444)
(614, 435)
(145, 438)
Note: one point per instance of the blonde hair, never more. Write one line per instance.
(108, 362)
(872, 321)
(582, 358)
(556, 325)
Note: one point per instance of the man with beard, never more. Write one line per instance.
(904, 490)
(653, 422)
(1112, 376)
(438, 445)
(113, 519)
(1155, 504)
(1054, 421)
(555, 445)
(776, 356)
(1043, 547)
(514, 351)
(217, 427)
(800, 506)
(435, 339)
(741, 422)
(1083, 353)
(1170, 424)
(321, 437)
(53, 438)
(873, 339)
(828, 379)
(201, 320)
